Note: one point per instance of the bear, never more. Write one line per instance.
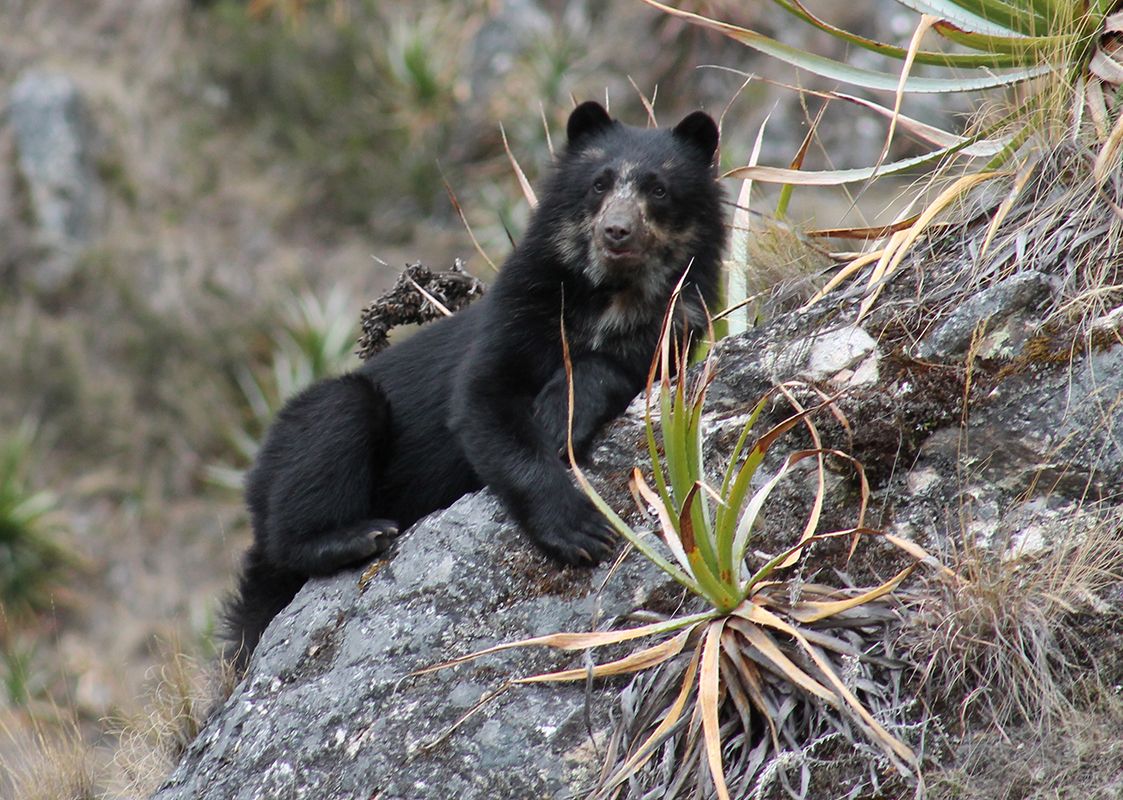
(480, 398)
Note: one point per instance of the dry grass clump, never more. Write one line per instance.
(1072, 228)
(1056, 217)
(186, 691)
(1082, 760)
(55, 765)
(782, 268)
(59, 764)
(998, 641)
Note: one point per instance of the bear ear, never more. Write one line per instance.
(588, 118)
(700, 130)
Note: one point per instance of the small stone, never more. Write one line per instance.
(844, 357)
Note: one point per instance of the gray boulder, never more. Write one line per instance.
(328, 710)
(53, 139)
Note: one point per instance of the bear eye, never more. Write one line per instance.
(599, 186)
(659, 192)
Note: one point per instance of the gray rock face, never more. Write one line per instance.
(997, 308)
(53, 138)
(1054, 430)
(327, 710)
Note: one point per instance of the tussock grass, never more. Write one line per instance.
(56, 765)
(1050, 216)
(56, 762)
(1063, 222)
(997, 642)
(183, 695)
(782, 268)
(1048, 206)
(1082, 760)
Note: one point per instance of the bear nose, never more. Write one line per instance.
(617, 231)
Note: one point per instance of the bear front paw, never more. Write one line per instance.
(579, 535)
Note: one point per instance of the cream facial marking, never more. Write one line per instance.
(567, 239)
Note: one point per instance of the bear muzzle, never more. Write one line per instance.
(621, 234)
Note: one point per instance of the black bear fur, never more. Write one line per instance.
(480, 398)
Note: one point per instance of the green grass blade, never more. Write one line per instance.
(741, 440)
(721, 592)
(700, 511)
(797, 162)
(734, 485)
(685, 550)
(732, 522)
(756, 502)
(682, 454)
(735, 499)
(678, 449)
(653, 453)
(978, 145)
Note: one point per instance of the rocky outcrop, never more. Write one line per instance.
(1007, 451)
(328, 709)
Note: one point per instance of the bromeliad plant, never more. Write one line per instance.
(758, 670)
(30, 558)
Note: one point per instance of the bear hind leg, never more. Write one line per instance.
(313, 493)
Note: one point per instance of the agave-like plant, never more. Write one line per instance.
(761, 647)
(1061, 54)
(29, 555)
(1010, 42)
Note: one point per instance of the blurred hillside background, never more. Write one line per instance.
(196, 200)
